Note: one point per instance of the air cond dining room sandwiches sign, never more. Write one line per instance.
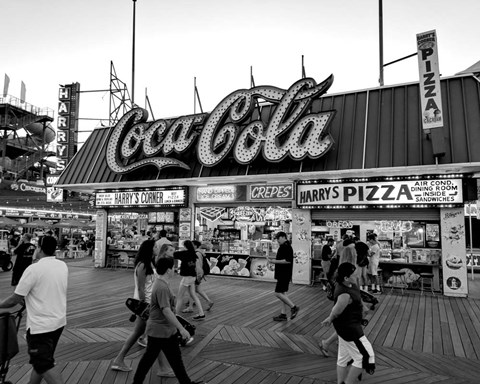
(408, 192)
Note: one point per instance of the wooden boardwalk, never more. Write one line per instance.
(417, 339)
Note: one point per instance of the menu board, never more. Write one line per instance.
(161, 217)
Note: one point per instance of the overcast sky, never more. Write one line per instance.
(50, 42)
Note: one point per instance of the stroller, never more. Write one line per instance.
(5, 261)
(10, 319)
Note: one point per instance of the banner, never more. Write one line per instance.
(430, 93)
(454, 258)
(23, 92)
(302, 246)
(6, 83)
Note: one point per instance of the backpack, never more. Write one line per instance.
(205, 266)
(202, 266)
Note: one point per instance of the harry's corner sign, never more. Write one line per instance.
(292, 130)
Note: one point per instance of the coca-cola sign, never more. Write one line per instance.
(134, 142)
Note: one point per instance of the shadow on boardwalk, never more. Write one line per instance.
(417, 339)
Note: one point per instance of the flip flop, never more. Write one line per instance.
(324, 350)
(187, 310)
(121, 368)
(210, 306)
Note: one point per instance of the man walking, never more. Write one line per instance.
(283, 275)
(162, 239)
(24, 251)
(43, 286)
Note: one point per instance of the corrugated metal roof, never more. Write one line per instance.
(375, 128)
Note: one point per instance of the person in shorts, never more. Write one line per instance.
(283, 275)
(43, 286)
(346, 317)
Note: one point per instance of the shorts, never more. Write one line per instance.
(348, 350)
(282, 286)
(373, 266)
(187, 281)
(41, 348)
(326, 266)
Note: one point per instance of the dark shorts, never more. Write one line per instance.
(41, 348)
(282, 286)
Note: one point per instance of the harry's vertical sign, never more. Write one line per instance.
(67, 123)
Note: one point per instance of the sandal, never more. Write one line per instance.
(324, 350)
(120, 367)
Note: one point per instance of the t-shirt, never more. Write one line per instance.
(189, 261)
(326, 252)
(284, 271)
(162, 297)
(362, 251)
(44, 285)
(25, 250)
(158, 245)
(349, 324)
(375, 249)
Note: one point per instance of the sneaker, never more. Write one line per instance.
(281, 317)
(199, 317)
(376, 292)
(142, 342)
(120, 367)
(294, 312)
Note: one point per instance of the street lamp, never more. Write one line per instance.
(133, 54)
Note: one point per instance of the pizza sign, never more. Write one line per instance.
(231, 128)
(433, 191)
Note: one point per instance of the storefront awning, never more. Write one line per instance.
(373, 129)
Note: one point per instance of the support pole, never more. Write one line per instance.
(380, 35)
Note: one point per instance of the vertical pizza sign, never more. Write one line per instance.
(454, 258)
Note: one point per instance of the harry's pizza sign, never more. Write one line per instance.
(409, 192)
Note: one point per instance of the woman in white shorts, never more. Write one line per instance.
(188, 272)
(346, 317)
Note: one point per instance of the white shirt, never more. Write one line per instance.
(158, 245)
(44, 286)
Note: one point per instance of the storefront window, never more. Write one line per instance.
(400, 240)
(234, 236)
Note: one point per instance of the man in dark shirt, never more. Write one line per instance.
(283, 275)
(327, 255)
(346, 317)
(24, 251)
(362, 262)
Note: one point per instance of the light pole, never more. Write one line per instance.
(133, 54)
(380, 35)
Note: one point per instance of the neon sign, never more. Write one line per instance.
(292, 131)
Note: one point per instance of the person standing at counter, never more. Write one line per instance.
(24, 251)
(162, 239)
(283, 275)
(373, 262)
(327, 254)
(362, 262)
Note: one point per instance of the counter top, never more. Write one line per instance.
(405, 263)
(122, 249)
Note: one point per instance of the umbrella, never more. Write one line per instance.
(37, 224)
(6, 222)
(69, 223)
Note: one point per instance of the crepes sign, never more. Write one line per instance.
(407, 192)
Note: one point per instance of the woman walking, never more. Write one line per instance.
(198, 283)
(144, 277)
(188, 272)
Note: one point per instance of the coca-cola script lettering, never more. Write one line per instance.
(291, 131)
